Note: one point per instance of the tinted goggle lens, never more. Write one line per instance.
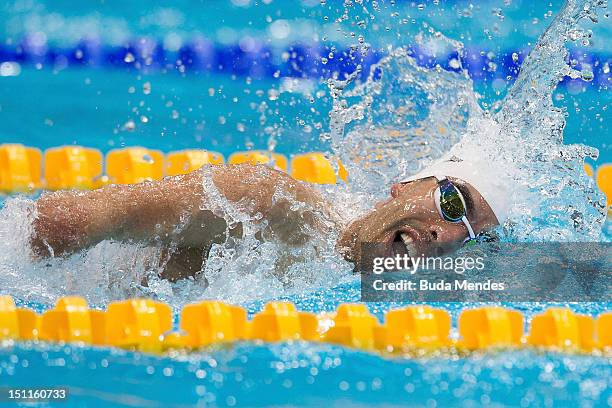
(451, 204)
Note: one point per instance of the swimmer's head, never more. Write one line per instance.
(418, 221)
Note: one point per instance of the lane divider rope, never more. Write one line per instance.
(147, 326)
(25, 169)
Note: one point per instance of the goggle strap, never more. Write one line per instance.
(468, 226)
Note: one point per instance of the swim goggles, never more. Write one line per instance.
(451, 204)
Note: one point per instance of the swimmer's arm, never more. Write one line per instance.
(67, 221)
(291, 209)
(169, 209)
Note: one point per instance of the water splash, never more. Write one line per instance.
(401, 118)
(564, 202)
(250, 263)
(255, 265)
(397, 121)
(105, 272)
(404, 116)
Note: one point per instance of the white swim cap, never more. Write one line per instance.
(479, 174)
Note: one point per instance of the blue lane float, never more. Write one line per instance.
(252, 57)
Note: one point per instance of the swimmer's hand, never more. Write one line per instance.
(179, 210)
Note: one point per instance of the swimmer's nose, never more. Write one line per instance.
(395, 189)
(395, 192)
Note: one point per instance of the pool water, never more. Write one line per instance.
(48, 98)
(91, 108)
(312, 374)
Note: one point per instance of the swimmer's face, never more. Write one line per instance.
(409, 222)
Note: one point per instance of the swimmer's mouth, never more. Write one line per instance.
(403, 243)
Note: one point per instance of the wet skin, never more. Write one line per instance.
(170, 212)
(411, 210)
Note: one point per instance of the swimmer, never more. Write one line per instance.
(431, 213)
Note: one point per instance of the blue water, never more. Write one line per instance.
(61, 102)
(53, 102)
(91, 107)
(312, 374)
(302, 374)
(309, 374)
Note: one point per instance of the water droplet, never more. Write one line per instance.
(146, 88)
(10, 69)
(587, 74)
(144, 119)
(273, 94)
(129, 58)
(573, 34)
(454, 63)
(515, 57)
(129, 126)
